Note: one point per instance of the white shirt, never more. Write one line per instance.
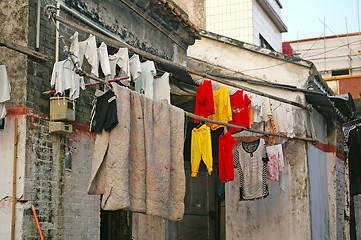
(4, 85)
(134, 67)
(144, 84)
(64, 78)
(121, 58)
(104, 60)
(283, 117)
(161, 88)
(88, 48)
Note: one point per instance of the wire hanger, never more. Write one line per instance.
(200, 124)
(3, 60)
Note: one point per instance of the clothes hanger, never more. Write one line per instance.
(3, 60)
(99, 40)
(201, 123)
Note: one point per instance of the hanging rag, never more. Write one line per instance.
(139, 165)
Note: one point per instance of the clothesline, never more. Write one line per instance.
(159, 59)
(246, 129)
(91, 84)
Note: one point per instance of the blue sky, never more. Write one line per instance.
(302, 17)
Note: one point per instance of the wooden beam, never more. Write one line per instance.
(24, 50)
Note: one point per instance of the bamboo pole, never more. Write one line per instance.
(91, 84)
(14, 180)
(117, 43)
(246, 129)
(37, 222)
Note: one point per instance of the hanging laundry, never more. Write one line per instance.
(144, 84)
(283, 118)
(201, 148)
(225, 157)
(104, 112)
(222, 107)
(354, 156)
(104, 61)
(64, 78)
(4, 91)
(88, 48)
(251, 162)
(257, 109)
(276, 163)
(347, 129)
(161, 88)
(240, 117)
(121, 59)
(2, 122)
(148, 175)
(204, 100)
(250, 112)
(134, 67)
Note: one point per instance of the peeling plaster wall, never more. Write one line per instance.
(15, 15)
(6, 180)
(196, 11)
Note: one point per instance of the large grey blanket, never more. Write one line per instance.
(139, 165)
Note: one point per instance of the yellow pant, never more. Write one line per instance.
(201, 147)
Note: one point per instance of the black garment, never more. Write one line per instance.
(104, 113)
(2, 124)
(354, 158)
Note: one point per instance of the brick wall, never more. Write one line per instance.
(350, 85)
(341, 193)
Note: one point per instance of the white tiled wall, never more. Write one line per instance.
(243, 20)
(232, 18)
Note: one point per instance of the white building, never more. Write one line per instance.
(253, 21)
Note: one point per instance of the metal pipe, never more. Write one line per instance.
(57, 33)
(159, 59)
(37, 45)
(14, 180)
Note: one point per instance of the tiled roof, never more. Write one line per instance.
(176, 12)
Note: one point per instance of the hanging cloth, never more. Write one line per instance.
(252, 169)
(222, 107)
(204, 100)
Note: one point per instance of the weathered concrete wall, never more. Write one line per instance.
(251, 60)
(131, 27)
(196, 10)
(64, 208)
(282, 215)
(14, 18)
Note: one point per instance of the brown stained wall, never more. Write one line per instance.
(14, 27)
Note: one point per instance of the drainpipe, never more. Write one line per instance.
(57, 33)
(38, 27)
(14, 180)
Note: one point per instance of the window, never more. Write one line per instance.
(263, 43)
(340, 72)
